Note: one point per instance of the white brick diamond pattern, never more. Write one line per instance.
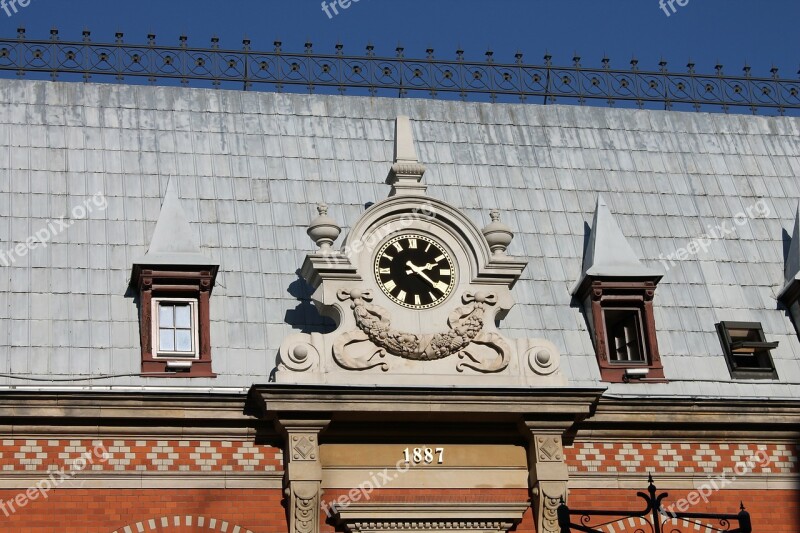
(248, 456)
(205, 456)
(30, 455)
(163, 456)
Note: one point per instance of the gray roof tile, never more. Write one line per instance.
(251, 166)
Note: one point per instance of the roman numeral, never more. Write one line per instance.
(428, 247)
(439, 258)
(433, 298)
(398, 246)
(401, 296)
(412, 244)
(390, 285)
(387, 257)
(384, 271)
(417, 300)
(444, 272)
(441, 286)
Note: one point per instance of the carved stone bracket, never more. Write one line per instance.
(478, 349)
(303, 479)
(548, 474)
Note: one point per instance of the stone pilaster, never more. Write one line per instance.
(303, 478)
(548, 474)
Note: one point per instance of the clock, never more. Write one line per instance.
(414, 271)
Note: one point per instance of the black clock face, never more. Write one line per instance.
(414, 271)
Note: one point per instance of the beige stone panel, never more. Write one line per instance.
(439, 478)
(453, 455)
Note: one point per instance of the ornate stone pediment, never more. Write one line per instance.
(416, 291)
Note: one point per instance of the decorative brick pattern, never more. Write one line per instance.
(41, 455)
(680, 458)
(196, 523)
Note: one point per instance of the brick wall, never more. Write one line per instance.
(112, 510)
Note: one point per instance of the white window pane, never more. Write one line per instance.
(183, 340)
(165, 319)
(166, 341)
(183, 318)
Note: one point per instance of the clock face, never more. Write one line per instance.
(414, 271)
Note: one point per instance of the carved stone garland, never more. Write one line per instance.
(465, 336)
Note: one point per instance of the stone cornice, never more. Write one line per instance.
(139, 414)
(429, 404)
(122, 404)
(664, 418)
(161, 414)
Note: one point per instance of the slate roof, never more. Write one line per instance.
(250, 167)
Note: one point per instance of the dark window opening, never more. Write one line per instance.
(747, 351)
(625, 335)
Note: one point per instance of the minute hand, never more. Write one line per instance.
(421, 273)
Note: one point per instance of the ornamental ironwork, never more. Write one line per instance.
(398, 75)
(653, 518)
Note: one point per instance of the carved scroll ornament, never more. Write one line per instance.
(479, 350)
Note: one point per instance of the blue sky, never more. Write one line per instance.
(707, 31)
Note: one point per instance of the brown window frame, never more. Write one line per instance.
(636, 296)
(175, 283)
(761, 349)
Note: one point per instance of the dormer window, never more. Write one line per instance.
(617, 291)
(174, 281)
(747, 351)
(620, 315)
(174, 320)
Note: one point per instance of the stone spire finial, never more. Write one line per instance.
(609, 254)
(323, 230)
(792, 267)
(497, 234)
(791, 270)
(405, 177)
(173, 241)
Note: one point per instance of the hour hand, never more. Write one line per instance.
(420, 272)
(419, 269)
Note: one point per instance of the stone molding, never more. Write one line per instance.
(457, 517)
